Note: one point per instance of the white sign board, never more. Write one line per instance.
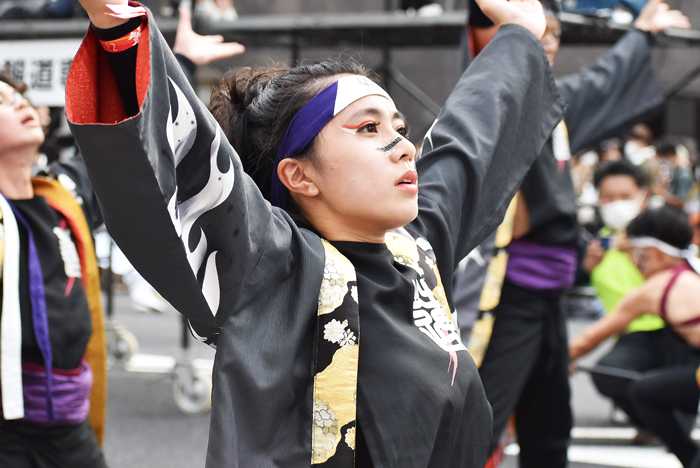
(42, 64)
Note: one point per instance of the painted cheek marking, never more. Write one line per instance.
(388, 147)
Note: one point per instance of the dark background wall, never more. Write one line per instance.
(436, 70)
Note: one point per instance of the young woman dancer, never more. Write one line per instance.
(335, 344)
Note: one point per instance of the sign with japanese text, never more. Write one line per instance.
(42, 64)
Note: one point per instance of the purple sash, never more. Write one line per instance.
(541, 267)
(70, 391)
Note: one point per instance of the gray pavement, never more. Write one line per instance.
(145, 428)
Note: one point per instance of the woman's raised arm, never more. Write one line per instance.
(173, 191)
(490, 130)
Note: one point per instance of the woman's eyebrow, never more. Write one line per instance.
(373, 111)
(376, 112)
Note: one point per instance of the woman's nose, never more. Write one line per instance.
(405, 150)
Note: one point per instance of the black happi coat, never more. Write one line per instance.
(615, 92)
(178, 203)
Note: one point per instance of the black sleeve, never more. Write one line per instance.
(476, 154)
(175, 196)
(123, 63)
(617, 91)
(188, 68)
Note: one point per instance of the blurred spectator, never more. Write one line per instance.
(610, 150)
(582, 167)
(676, 177)
(639, 150)
(659, 240)
(639, 147)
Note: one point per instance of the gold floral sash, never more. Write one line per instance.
(338, 346)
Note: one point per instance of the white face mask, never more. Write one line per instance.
(618, 214)
(637, 154)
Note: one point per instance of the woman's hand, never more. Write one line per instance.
(99, 13)
(657, 16)
(526, 13)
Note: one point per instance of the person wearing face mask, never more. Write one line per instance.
(659, 241)
(622, 193)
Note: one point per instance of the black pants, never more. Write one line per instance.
(644, 352)
(26, 446)
(526, 370)
(656, 400)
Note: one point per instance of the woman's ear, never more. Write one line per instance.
(298, 176)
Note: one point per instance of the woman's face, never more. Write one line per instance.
(365, 170)
(19, 123)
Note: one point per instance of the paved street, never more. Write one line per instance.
(145, 428)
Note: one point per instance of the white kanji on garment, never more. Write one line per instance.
(431, 319)
(71, 261)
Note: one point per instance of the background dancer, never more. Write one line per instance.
(280, 303)
(51, 312)
(525, 365)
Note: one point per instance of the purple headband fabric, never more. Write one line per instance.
(313, 117)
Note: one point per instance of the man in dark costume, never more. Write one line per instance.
(525, 365)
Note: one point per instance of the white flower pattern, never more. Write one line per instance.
(350, 438)
(333, 288)
(334, 331)
(324, 416)
(324, 442)
(348, 339)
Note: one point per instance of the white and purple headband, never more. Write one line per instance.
(313, 117)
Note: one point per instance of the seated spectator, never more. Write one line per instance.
(623, 194)
(659, 240)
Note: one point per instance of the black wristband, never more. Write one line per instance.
(116, 32)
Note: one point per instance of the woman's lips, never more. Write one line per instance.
(30, 119)
(409, 182)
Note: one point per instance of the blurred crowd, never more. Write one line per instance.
(669, 165)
